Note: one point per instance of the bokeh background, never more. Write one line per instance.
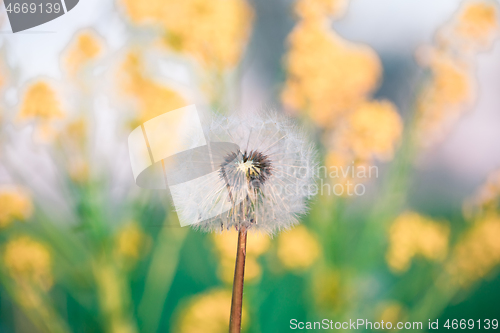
(410, 87)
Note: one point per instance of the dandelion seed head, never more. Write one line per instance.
(255, 167)
(262, 186)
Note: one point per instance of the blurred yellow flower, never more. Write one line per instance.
(109, 284)
(144, 11)
(15, 204)
(327, 289)
(226, 242)
(412, 234)
(391, 312)
(451, 80)
(371, 130)
(445, 97)
(331, 80)
(317, 9)
(153, 98)
(477, 253)
(113, 297)
(225, 270)
(298, 248)
(209, 313)
(72, 140)
(85, 47)
(477, 23)
(78, 169)
(338, 158)
(347, 170)
(75, 134)
(486, 198)
(449, 91)
(4, 76)
(225, 246)
(28, 262)
(214, 32)
(132, 242)
(40, 102)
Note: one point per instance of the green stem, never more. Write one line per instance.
(160, 277)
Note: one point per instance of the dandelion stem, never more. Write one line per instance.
(239, 274)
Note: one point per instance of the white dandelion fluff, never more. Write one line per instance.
(263, 184)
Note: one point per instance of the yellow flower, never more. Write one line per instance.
(315, 9)
(445, 97)
(85, 47)
(28, 262)
(114, 298)
(209, 313)
(327, 289)
(132, 242)
(110, 285)
(4, 77)
(477, 253)
(153, 98)
(372, 129)
(298, 248)
(40, 101)
(15, 204)
(331, 80)
(225, 270)
(449, 91)
(214, 32)
(412, 234)
(451, 81)
(339, 158)
(75, 133)
(486, 199)
(477, 22)
(391, 312)
(144, 11)
(347, 170)
(225, 245)
(72, 140)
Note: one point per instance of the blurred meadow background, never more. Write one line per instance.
(411, 87)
